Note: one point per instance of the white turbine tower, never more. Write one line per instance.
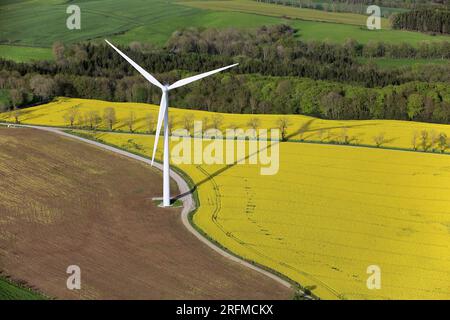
(164, 115)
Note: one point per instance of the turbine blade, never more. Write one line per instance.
(162, 111)
(146, 75)
(185, 81)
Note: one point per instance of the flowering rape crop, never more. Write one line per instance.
(330, 212)
(385, 133)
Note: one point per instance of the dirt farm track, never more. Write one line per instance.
(63, 202)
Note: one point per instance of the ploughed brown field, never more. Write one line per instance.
(63, 202)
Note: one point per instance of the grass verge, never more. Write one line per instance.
(11, 290)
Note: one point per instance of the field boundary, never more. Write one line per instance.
(190, 206)
(325, 143)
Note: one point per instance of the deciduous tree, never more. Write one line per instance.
(109, 117)
(283, 124)
(130, 120)
(71, 115)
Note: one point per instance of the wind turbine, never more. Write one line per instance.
(164, 114)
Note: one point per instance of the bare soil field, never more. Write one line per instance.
(65, 203)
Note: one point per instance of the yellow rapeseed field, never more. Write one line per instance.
(393, 133)
(328, 214)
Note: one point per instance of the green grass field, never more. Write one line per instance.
(8, 291)
(312, 30)
(249, 6)
(384, 10)
(160, 31)
(316, 24)
(30, 27)
(22, 54)
(41, 23)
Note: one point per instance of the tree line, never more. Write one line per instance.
(280, 42)
(250, 93)
(424, 140)
(268, 51)
(277, 74)
(423, 20)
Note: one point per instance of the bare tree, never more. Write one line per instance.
(58, 51)
(71, 115)
(254, 123)
(93, 119)
(17, 113)
(443, 142)
(217, 121)
(17, 97)
(42, 86)
(424, 140)
(434, 141)
(188, 121)
(130, 120)
(379, 139)
(283, 124)
(109, 116)
(150, 122)
(253, 104)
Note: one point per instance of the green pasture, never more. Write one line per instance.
(22, 54)
(29, 28)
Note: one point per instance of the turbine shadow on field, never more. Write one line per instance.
(222, 170)
(142, 125)
(25, 115)
(303, 128)
(306, 128)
